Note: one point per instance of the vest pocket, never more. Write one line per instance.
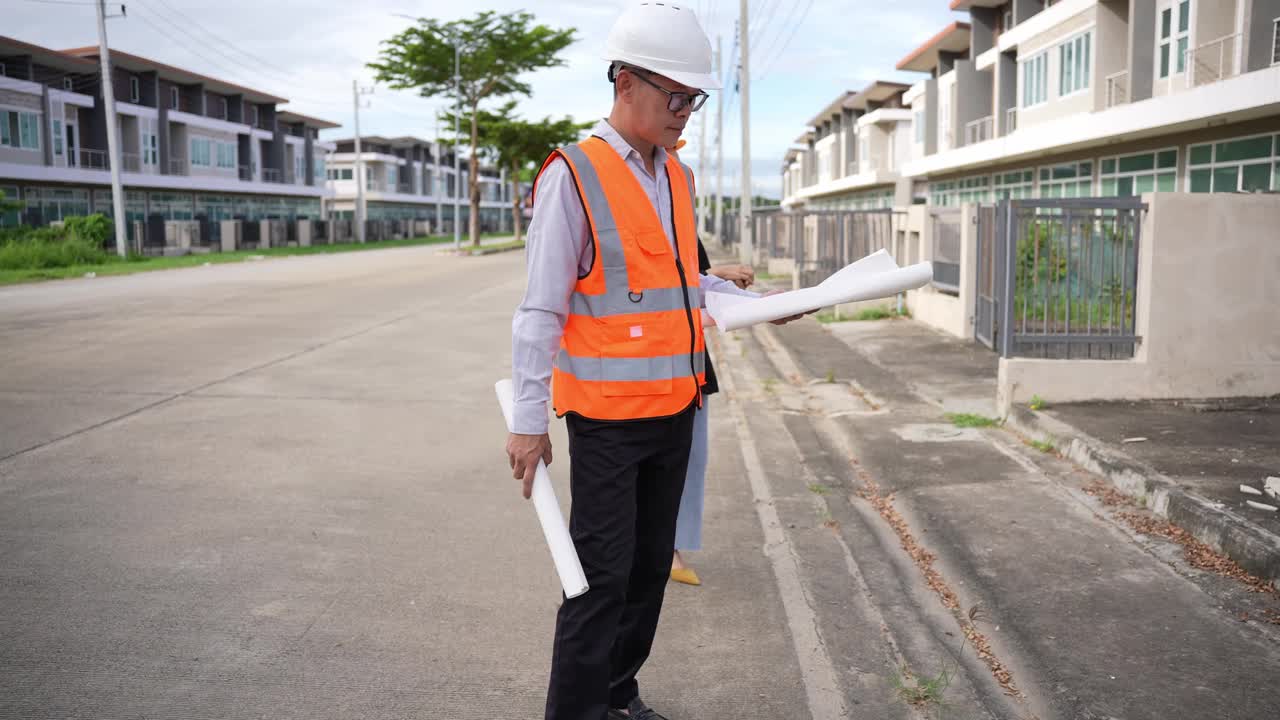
(623, 376)
(653, 242)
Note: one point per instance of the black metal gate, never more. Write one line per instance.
(1058, 278)
(990, 284)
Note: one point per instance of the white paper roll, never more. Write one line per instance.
(874, 276)
(563, 554)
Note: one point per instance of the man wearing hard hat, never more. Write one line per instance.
(610, 332)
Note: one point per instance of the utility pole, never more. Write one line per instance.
(702, 166)
(356, 92)
(719, 149)
(747, 249)
(113, 142)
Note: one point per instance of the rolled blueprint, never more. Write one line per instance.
(874, 276)
(563, 554)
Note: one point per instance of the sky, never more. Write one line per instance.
(804, 53)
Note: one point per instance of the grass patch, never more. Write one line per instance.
(1037, 403)
(923, 693)
(1043, 446)
(114, 265)
(818, 489)
(831, 377)
(865, 315)
(969, 420)
(770, 385)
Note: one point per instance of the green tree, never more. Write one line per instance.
(496, 49)
(520, 146)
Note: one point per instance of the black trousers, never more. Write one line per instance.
(626, 479)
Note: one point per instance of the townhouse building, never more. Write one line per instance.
(192, 147)
(1084, 98)
(412, 179)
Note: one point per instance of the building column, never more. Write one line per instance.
(1142, 48)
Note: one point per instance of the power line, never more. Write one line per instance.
(794, 28)
(221, 39)
(82, 3)
(761, 28)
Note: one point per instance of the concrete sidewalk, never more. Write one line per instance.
(1078, 616)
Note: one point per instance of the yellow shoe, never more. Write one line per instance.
(685, 575)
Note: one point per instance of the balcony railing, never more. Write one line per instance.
(1213, 61)
(93, 159)
(979, 130)
(272, 175)
(178, 166)
(246, 173)
(131, 162)
(1118, 88)
(1010, 120)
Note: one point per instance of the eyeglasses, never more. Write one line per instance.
(675, 100)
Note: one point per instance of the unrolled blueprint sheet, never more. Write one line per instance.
(874, 276)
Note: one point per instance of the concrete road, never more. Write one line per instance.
(277, 490)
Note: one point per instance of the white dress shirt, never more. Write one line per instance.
(560, 251)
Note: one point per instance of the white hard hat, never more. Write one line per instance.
(665, 38)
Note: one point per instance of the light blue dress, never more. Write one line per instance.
(689, 521)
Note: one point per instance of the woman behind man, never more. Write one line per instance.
(689, 521)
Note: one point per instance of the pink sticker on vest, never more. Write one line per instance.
(637, 331)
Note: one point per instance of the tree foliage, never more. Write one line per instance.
(495, 51)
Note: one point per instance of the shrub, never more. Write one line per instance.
(79, 242)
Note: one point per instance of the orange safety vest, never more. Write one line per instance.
(632, 347)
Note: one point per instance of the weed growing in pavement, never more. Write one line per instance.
(1037, 403)
(927, 693)
(1043, 446)
(770, 385)
(818, 489)
(969, 420)
(831, 376)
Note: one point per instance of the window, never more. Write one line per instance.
(135, 90)
(1006, 20)
(918, 121)
(1128, 175)
(1172, 49)
(1035, 80)
(173, 98)
(19, 130)
(2, 72)
(1017, 185)
(1069, 180)
(200, 152)
(150, 148)
(68, 83)
(1073, 64)
(253, 115)
(391, 176)
(226, 155)
(57, 137)
(1249, 164)
(1275, 43)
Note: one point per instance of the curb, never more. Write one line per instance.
(493, 251)
(1254, 548)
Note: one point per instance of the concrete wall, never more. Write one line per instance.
(973, 97)
(931, 116)
(949, 313)
(1142, 49)
(1261, 16)
(1007, 92)
(1110, 48)
(1206, 311)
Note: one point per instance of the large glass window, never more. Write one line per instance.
(1035, 80)
(1249, 164)
(20, 129)
(1067, 180)
(1074, 64)
(57, 137)
(201, 152)
(1016, 185)
(1128, 175)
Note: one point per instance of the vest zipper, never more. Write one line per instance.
(684, 285)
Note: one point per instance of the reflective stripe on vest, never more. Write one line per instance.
(663, 367)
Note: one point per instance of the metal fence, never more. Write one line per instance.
(945, 229)
(823, 241)
(1058, 278)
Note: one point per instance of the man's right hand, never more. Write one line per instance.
(524, 451)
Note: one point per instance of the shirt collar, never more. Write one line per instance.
(606, 132)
